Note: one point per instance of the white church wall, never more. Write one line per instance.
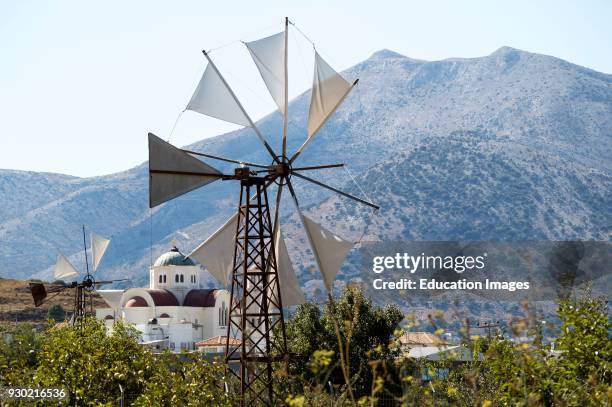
(175, 277)
(184, 325)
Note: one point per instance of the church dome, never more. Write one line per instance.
(173, 258)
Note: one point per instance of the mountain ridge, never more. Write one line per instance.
(541, 103)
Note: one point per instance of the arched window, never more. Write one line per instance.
(164, 278)
(223, 314)
(182, 278)
(160, 278)
(176, 278)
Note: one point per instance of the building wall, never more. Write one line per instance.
(171, 277)
(185, 325)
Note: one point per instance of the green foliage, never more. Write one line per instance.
(185, 380)
(584, 366)
(56, 313)
(19, 346)
(575, 373)
(91, 365)
(365, 332)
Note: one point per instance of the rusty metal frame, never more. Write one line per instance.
(256, 305)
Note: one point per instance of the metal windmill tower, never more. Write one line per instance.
(84, 288)
(248, 251)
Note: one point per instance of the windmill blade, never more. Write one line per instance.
(329, 90)
(63, 268)
(39, 293)
(290, 290)
(214, 97)
(173, 172)
(329, 249)
(217, 252)
(317, 167)
(99, 245)
(216, 157)
(111, 297)
(314, 181)
(269, 57)
(103, 282)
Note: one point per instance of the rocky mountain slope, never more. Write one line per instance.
(512, 145)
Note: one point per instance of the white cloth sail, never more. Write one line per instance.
(217, 252)
(98, 248)
(329, 249)
(111, 297)
(63, 268)
(328, 91)
(183, 172)
(269, 56)
(291, 293)
(213, 98)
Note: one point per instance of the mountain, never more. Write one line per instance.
(510, 146)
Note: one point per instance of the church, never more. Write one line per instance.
(175, 312)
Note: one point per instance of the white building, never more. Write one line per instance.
(175, 312)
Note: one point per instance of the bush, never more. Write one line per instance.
(56, 313)
(365, 333)
(185, 380)
(19, 346)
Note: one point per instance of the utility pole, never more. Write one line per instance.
(488, 325)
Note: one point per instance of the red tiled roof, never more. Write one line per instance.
(137, 301)
(200, 298)
(163, 297)
(219, 341)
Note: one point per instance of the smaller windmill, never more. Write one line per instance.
(84, 288)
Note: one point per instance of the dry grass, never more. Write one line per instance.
(17, 306)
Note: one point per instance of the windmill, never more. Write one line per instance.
(248, 252)
(84, 288)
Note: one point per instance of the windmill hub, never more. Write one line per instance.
(88, 283)
(280, 171)
(242, 173)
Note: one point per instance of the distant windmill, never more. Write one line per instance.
(248, 251)
(82, 289)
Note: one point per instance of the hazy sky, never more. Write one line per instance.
(82, 82)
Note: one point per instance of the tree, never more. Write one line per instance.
(585, 361)
(91, 365)
(19, 346)
(186, 380)
(365, 332)
(576, 373)
(56, 312)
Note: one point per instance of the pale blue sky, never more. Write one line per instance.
(82, 82)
